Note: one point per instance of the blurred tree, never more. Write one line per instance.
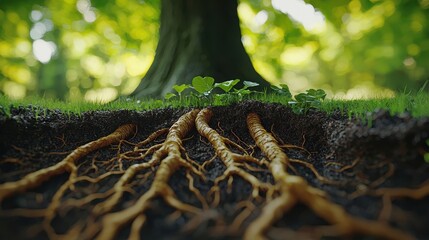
(75, 50)
(379, 44)
(97, 50)
(197, 38)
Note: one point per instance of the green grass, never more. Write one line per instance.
(77, 107)
(417, 104)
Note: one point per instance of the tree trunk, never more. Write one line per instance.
(197, 37)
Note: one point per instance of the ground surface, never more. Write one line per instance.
(355, 159)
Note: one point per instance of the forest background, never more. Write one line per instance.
(99, 50)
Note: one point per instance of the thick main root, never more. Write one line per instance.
(230, 160)
(296, 189)
(170, 155)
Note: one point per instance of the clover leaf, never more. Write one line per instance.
(203, 85)
(227, 85)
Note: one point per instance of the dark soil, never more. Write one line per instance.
(29, 143)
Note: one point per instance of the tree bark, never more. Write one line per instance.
(197, 37)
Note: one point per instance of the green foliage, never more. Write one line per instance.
(283, 90)
(87, 49)
(362, 43)
(168, 96)
(227, 85)
(203, 85)
(244, 91)
(302, 102)
(416, 104)
(180, 88)
(317, 94)
(248, 84)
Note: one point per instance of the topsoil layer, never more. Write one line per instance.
(387, 153)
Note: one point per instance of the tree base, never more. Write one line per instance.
(197, 38)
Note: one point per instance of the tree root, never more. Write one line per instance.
(157, 159)
(295, 189)
(35, 179)
(230, 160)
(170, 157)
(388, 194)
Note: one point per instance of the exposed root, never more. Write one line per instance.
(162, 154)
(347, 167)
(270, 213)
(382, 179)
(34, 179)
(296, 189)
(315, 172)
(388, 194)
(197, 193)
(208, 162)
(151, 137)
(12, 161)
(363, 189)
(120, 186)
(50, 211)
(248, 208)
(416, 193)
(229, 159)
(170, 158)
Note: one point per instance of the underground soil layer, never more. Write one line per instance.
(353, 164)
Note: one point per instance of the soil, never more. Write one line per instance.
(386, 152)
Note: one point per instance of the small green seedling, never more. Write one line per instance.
(312, 98)
(168, 96)
(283, 90)
(180, 88)
(227, 85)
(319, 94)
(249, 84)
(203, 85)
(244, 90)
